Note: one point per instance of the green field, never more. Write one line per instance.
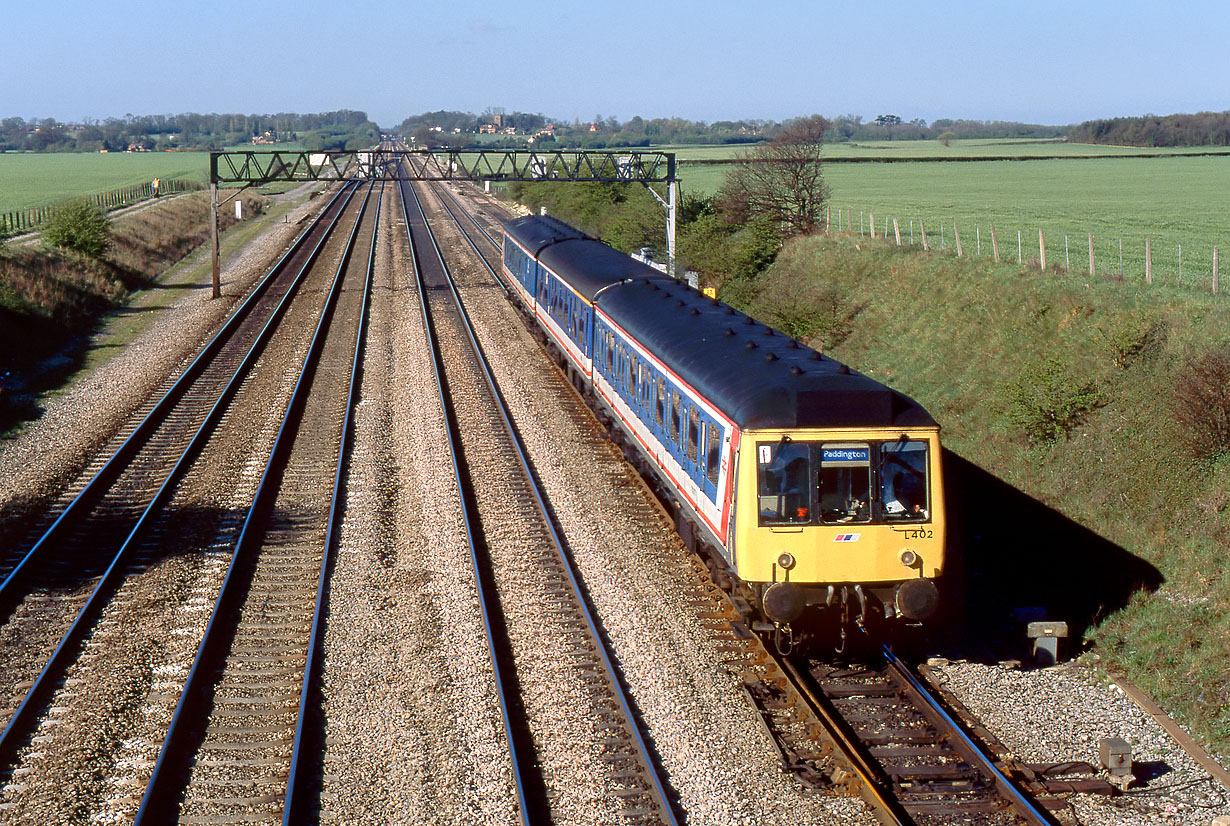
(1174, 201)
(31, 180)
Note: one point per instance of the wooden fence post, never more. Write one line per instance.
(897, 232)
(1148, 261)
(956, 234)
(923, 228)
(1041, 250)
(1092, 269)
(994, 244)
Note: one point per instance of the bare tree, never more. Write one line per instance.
(781, 179)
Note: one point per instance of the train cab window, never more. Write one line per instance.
(843, 482)
(903, 480)
(693, 434)
(713, 452)
(675, 414)
(783, 490)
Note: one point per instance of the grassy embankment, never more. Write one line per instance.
(51, 300)
(1063, 387)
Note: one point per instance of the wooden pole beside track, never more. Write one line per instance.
(213, 235)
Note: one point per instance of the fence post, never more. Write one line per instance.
(1066, 262)
(1214, 269)
(873, 225)
(956, 234)
(1092, 269)
(923, 228)
(897, 232)
(1018, 247)
(1149, 261)
(994, 244)
(1041, 250)
(1180, 265)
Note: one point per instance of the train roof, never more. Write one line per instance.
(584, 262)
(759, 377)
(537, 232)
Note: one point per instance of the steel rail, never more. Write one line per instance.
(156, 803)
(293, 811)
(454, 452)
(23, 718)
(657, 785)
(466, 235)
(158, 414)
(1022, 805)
(872, 785)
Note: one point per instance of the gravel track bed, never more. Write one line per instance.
(564, 711)
(641, 580)
(415, 732)
(92, 755)
(1054, 714)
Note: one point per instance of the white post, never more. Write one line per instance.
(911, 232)
(978, 234)
(1065, 253)
(1018, 247)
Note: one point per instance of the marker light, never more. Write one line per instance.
(786, 561)
(908, 558)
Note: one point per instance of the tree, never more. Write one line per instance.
(781, 179)
(80, 227)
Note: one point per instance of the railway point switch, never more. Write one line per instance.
(1046, 636)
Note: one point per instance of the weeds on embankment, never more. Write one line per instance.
(1105, 401)
(51, 299)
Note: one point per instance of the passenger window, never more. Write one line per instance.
(676, 412)
(693, 433)
(784, 495)
(903, 480)
(844, 482)
(713, 452)
(661, 400)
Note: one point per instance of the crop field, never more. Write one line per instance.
(1180, 203)
(30, 180)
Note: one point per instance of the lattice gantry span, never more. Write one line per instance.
(442, 165)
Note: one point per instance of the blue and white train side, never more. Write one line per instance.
(817, 488)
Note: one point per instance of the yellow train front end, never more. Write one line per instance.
(841, 524)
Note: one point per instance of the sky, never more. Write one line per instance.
(1035, 61)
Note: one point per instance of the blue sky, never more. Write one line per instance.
(1040, 61)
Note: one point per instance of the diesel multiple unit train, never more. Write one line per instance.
(814, 490)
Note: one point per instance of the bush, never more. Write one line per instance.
(1046, 401)
(80, 227)
(1201, 404)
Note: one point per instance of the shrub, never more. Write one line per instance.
(80, 227)
(1045, 401)
(1201, 403)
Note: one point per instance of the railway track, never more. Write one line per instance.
(594, 765)
(878, 731)
(136, 541)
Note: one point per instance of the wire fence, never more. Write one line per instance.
(1055, 252)
(24, 220)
